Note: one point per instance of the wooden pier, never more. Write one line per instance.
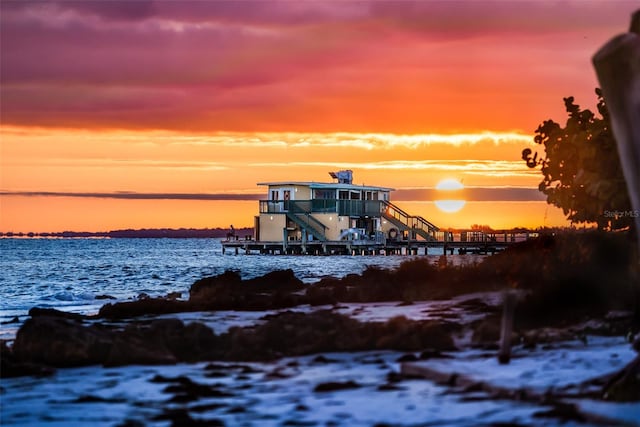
(465, 242)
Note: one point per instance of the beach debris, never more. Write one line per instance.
(335, 386)
(624, 386)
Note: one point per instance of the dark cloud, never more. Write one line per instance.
(117, 10)
(472, 194)
(460, 19)
(422, 194)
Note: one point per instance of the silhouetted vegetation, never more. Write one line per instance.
(153, 233)
(581, 168)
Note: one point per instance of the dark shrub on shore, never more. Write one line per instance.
(571, 276)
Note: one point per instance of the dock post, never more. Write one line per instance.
(304, 241)
(236, 250)
(284, 240)
(504, 354)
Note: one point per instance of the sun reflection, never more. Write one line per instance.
(450, 206)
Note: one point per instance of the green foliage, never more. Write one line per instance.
(581, 168)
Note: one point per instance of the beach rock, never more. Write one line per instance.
(174, 295)
(292, 333)
(131, 423)
(187, 390)
(335, 386)
(400, 333)
(180, 417)
(486, 332)
(15, 319)
(228, 291)
(534, 337)
(164, 341)
(10, 367)
(61, 342)
(141, 307)
(624, 386)
(188, 343)
(409, 357)
(52, 312)
(131, 347)
(565, 412)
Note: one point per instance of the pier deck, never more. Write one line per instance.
(477, 243)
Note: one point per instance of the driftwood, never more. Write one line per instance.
(617, 65)
(467, 384)
(624, 386)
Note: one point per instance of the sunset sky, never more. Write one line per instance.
(143, 113)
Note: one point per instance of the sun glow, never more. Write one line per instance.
(446, 187)
(449, 184)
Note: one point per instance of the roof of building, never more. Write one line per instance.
(326, 185)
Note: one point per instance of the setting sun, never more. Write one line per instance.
(449, 184)
(446, 188)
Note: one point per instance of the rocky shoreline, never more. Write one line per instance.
(567, 289)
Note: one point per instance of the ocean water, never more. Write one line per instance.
(68, 274)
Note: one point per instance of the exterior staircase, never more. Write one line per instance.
(299, 212)
(302, 217)
(404, 221)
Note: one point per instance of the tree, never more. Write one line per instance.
(581, 168)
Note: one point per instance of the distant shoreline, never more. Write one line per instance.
(150, 233)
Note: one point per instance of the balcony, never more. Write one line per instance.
(340, 207)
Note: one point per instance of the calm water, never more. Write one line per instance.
(68, 274)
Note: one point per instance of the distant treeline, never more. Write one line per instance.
(180, 233)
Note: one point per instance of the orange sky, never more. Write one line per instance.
(201, 100)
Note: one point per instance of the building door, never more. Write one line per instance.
(286, 196)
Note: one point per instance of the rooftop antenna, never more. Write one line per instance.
(343, 176)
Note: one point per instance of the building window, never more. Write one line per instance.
(325, 194)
